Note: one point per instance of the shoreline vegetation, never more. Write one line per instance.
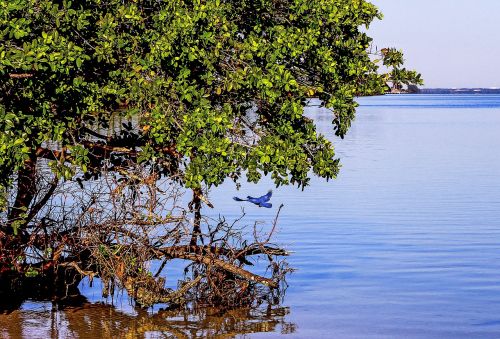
(204, 92)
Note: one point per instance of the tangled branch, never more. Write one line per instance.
(127, 228)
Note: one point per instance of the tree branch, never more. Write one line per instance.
(210, 260)
(39, 205)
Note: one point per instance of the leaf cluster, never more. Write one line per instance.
(393, 59)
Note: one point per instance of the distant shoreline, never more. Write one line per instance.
(457, 91)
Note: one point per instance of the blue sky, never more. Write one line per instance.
(453, 43)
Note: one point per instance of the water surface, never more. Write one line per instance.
(405, 243)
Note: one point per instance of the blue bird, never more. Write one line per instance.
(260, 201)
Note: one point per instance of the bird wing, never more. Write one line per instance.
(254, 200)
(266, 197)
(238, 199)
(266, 204)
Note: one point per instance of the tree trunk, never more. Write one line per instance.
(13, 233)
(26, 190)
(196, 207)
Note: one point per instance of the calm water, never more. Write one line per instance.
(405, 243)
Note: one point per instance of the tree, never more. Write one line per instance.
(193, 92)
(397, 76)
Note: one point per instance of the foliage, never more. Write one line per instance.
(397, 76)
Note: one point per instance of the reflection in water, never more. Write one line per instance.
(105, 321)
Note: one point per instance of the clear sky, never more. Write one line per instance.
(453, 43)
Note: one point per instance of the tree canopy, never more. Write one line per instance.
(214, 87)
(196, 91)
